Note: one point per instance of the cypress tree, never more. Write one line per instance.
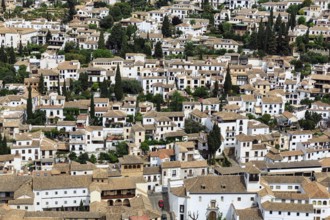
(41, 85)
(166, 31)
(3, 56)
(215, 91)
(104, 90)
(101, 44)
(158, 50)
(92, 108)
(214, 140)
(58, 85)
(271, 18)
(278, 23)
(271, 43)
(81, 206)
(253, 44)
(20, 49)
(3, 5)
(227, 86)
(5, 146)
(64, 91)
(261, 35)
(292, 20)
(267, 36)
(29, 104)
(118, 86)
(12, 56)
(2, 151)
(306, 37)
(48, 36)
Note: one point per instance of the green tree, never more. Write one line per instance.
(102, 53)
(271, 43)
(73, 156)
(121, 149)
(3, 55)
(106, 22)
(293, 19)
(261, 36)
(3, 5)
(301, 20)
(158, 100)
(20, 48)
(104, 89)
(64, 91)
(176, 101)
(83, 158)
(176, 20)
(83, 81)
(92, 108)
(144, 147)
(214, 141)
(253, 43)
(158, 50)
(41, 85)
(29, 111)
(81, 206)
(92, 159)
(201, 92)
(192, 126)
(227, 86)
(12, 56)
(118, 85)
(71, 11)
(48, 36)
(116, 37)
(215, 91)
(189, 49)
(101, 44)
(166, 29)
(278, 22)
(131, 86)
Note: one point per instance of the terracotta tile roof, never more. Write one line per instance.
(287, 207)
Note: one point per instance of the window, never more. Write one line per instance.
(289, 213)
(65, 202)
(74, 201)
(307, 214)
(46, 193)
(252, 199)
(280, 213)
(200, 198)
(239, 199)
(298, 213)
(221, 198)
(289, 187)
(173, 173)
(270, 212)
(18, 207)
(74, 192)
(296, 187)
(38, 203)
(278, 187)
(84, 191)
(181, 208)
(65, 192)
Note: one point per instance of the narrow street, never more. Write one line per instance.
(155, 198)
